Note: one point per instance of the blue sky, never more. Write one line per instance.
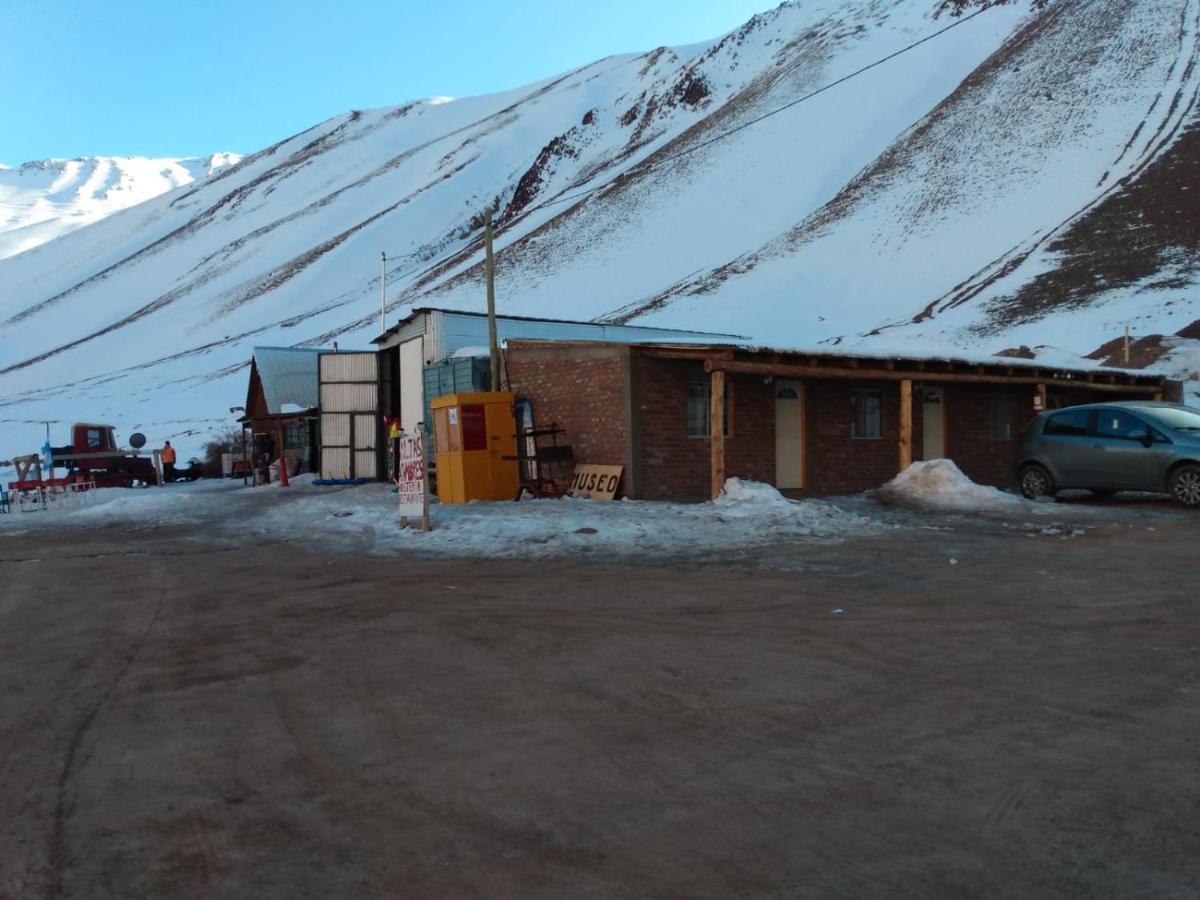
(134, 77)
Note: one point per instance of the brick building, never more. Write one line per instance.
(809, 422)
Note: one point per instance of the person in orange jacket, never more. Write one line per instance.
(167, 454)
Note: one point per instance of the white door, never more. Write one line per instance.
(933, 416)
(412, 384)
(789, 435)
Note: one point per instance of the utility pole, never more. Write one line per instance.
(383, 293)
(1126, 345)
(490, 267)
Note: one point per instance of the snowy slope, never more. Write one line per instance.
(878, 206)
(42, 200)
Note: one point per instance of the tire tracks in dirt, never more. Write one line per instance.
(58, 854)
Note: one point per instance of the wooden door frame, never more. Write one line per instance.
(944, 404)
(802, 391)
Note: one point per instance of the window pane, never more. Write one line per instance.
(1113, 423)
(474, 427)
(1073, 423)
(868, 414)
(1180, 419)
(698, 409)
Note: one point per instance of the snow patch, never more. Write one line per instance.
(737, 491)
(365, 518)
(940, 484)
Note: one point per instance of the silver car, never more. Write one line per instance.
(1110, 447)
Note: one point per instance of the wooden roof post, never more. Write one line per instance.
(716, 428)
(283, 475)
(906, 417)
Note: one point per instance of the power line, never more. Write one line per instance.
(652, 164)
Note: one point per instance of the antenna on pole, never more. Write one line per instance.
(490, 268)
(382, 293)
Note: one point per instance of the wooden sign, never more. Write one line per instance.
(595, 482)
(412, 478)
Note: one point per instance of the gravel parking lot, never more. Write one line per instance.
(945, 708)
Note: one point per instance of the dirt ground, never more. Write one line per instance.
(972, 712)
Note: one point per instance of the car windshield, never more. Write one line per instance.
(1179, 419)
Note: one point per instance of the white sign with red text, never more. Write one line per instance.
(410, 477)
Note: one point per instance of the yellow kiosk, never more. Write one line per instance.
(472, 435)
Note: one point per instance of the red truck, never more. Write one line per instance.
(95, 455)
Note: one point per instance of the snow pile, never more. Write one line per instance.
(739, 493)
(940, 484)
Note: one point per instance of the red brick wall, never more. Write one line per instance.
(838, 463)
(673, 465)
(968, 430)
(582, 389)
(620, 406)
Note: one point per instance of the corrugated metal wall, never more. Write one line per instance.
(350, 422)
(338, 397)
(335, 429)
(358, 366)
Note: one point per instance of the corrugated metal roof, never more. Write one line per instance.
(610, 330)
(288, 375)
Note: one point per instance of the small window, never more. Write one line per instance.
(867, 407)
(94, 441)
(474, 427)
(699, 408)
(1073, 423)
(1112, 423)
(1000, 418)
(295, 437)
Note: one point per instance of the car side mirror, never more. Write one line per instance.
(1146, 438)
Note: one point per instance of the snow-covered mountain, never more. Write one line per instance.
(42, 200)
(1027, 178)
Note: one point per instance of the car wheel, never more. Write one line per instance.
(1036, 482)
(1185, 486)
